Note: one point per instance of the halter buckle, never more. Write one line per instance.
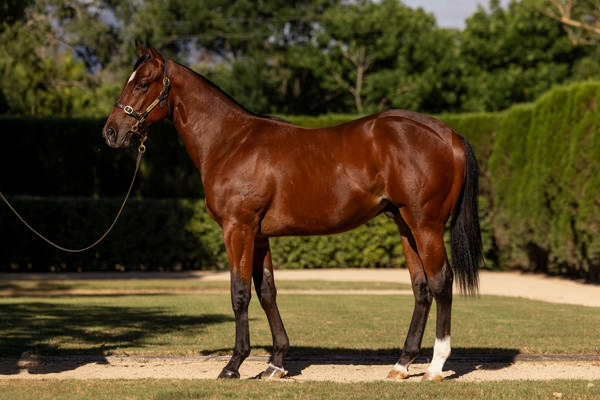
(128, 110)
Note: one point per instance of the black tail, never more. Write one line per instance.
(466, 246)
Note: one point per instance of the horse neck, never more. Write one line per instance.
(206, 118)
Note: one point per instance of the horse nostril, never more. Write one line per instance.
(111, 135)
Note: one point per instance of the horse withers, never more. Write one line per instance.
(264, 177)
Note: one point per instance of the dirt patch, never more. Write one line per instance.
(336, 368)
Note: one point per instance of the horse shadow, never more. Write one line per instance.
(462, 362)
(42, 338)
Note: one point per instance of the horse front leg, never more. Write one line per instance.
(264, 283)
(433, 280)
(239, 242)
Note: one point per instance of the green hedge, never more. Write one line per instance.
(68, 157)
(155, 234)
(545, 166)
(169, 234)
(151, 234)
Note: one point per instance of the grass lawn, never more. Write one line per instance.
(165, 389)
(202, 324)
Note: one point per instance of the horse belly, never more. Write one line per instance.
(334, 206)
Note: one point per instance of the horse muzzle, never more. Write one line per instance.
(116, 140)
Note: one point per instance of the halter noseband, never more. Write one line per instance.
(140, 127)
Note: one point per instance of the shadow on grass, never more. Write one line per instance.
(47, 329)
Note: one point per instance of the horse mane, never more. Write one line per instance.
(234, 101)
(146, 57)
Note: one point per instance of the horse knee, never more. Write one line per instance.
(240, 297)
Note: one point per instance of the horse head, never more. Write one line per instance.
(147, 87)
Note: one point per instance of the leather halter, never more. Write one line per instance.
(140, 127)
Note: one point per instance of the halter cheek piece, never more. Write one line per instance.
(140, 127)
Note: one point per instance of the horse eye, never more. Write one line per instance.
(143, 86)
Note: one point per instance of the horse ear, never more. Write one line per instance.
(139, 49)
(154, 54)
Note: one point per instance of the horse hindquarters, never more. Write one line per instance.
(422, 228)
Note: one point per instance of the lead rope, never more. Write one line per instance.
(141, 151)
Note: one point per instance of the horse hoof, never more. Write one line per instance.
(397, 375)
(429, 377)
(273, 373)
(227, 374)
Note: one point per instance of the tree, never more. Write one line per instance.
(36, 76)
(580, 19)
(374, 64)
(513, 55)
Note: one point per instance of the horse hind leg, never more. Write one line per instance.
(431, 278)
(440, 277)
(423, 300)
(442, 291)
(264, 284)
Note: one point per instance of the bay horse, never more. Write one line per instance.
(264, 177)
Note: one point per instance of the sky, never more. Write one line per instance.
(450, 13)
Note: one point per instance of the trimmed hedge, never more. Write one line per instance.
(68, 157)
(169, 234)
(155, 234)
(546, 178)
(151, 234)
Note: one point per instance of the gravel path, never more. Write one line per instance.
(341, 368)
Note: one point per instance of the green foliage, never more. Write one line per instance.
(513, 55)
(375, 244)
(367, 66)
(545, 168)
(305, 57)
(33, 83)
